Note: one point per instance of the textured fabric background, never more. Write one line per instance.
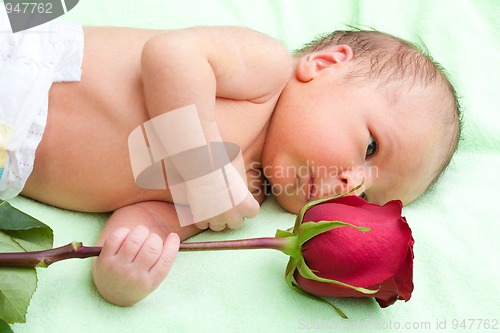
(455, 226)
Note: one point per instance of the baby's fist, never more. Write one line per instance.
(132, 264)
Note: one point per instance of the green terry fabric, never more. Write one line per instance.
(455, 226)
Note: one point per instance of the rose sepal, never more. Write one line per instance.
(290, 281)
(307, 206)
(308, 230)
(302, 233)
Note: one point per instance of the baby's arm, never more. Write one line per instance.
(179, 68)
(198, 65)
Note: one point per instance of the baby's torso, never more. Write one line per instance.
(83, 161)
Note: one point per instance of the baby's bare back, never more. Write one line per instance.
(83, 161)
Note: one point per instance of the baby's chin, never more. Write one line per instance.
(290, 203)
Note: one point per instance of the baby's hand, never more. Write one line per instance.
(132, 264)
(233, 218)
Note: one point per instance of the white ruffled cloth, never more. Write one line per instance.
(30, 61)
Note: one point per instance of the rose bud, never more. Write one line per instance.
(380, 260)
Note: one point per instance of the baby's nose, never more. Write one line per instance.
(354, 177)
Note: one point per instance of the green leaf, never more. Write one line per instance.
(7, 244)
(310, 229)
(19, 232)
(29, 233)
(17, 285)
(5, 328)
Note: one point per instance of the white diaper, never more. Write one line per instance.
(30, 61)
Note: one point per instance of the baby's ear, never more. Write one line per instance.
(312, 64)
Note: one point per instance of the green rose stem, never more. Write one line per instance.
(48, 257)
(77, 250)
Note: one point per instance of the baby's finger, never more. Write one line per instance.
(217, 225)
(162, 266)
(202, 225)
(112, 244)
(253, 208)
(149, 252)
(236, 224)
(249, 207)
(132, 244)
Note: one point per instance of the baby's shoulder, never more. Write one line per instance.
(243, 122)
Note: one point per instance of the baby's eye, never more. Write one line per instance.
(372, 147)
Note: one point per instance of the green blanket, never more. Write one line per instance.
(455, 226)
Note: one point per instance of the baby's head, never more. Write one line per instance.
(361, 107)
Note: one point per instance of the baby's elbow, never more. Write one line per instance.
(167, 48)
(156, 49)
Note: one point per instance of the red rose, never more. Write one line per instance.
(331, 254)
(381, 259)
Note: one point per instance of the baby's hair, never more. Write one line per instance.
(379, 55)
